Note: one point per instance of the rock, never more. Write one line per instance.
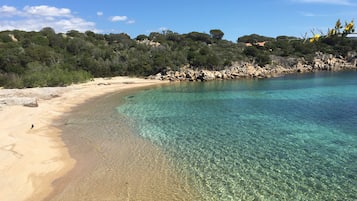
(190, 75)
(205, 75)
(99, 84)
(218, 75)
(158, 76)
(279, 67)
(155, 77)
(31, 104)
(25, 101)
(250, 70)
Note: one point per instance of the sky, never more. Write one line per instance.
(134, 17)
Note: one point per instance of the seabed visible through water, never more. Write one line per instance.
(288, 138)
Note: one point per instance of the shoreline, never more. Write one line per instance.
(33, 158)
(113, 161)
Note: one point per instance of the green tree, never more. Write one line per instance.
(141, 37)
(196, 36)
(216, 34)
(253, 38)
(48, 31)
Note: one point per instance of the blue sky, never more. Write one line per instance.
(235, 18)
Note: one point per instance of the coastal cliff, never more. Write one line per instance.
(279, 66)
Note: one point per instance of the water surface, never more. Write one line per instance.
(289, 138)
(112, 162)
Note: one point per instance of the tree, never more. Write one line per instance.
(254, 38)
(216, 34)
(76, 45)
(141, 37)
(172, 36)
(196, 36)
(74, 33)
(48, 31)
(251, 51)
(90, 34)
(46, 58)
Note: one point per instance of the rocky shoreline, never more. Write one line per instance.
(280, 66)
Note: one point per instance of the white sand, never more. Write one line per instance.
(31, 159)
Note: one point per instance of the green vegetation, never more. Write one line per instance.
(46, 58)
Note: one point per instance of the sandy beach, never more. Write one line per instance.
(32, 158)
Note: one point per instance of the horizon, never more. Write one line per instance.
(295, 18)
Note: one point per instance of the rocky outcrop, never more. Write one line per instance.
(148, 42)
(25, 101)
(29, 97)
(280, 66)
(331, 63)
(236, 71)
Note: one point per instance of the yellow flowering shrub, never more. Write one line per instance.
(315, 38)
(347, 29)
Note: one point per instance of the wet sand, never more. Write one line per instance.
(114, 163)
(45, 162)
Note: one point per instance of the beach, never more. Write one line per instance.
(32, 152)
(134, 139)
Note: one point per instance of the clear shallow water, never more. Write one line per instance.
(290, 138)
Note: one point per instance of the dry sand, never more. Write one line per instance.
(32, 158)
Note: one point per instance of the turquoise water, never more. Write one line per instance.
(289, 138)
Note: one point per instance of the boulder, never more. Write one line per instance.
(205, 75)
(25, 101)
(32, 103)
(158, 76)
(218, 75)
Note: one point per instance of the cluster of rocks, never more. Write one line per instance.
(148, 42)
(28, 97)
(279, 67)
(331, 63)
(25, 101)
(236, 71)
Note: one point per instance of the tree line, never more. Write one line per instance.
(47, 58)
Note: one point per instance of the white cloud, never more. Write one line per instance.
(7, 11)
(99, 13)
(118, 18)
(34, 18)
(75, 24)
(46, 11)
(122, 19)
(336, 2)
(130, 22)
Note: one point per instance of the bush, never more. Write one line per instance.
(47, 58)
(54, 77)
(11, 81)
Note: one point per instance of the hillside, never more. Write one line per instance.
(46, 58)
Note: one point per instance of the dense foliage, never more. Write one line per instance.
(46, 58)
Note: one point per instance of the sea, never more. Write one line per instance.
(287, 138)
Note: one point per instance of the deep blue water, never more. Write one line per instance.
(288, 138)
